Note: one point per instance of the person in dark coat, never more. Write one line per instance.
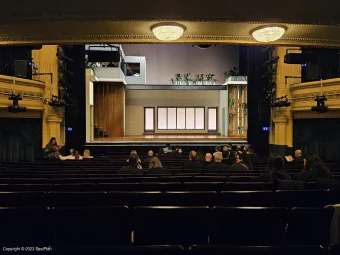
(193, 162)
(274, 170)
(133, 168)
(314, 170)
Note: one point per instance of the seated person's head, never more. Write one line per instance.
(245, 148)
(76, 155)
(275, 162)
(133, 160)
(87, 153)
(218, 157)
(238, 147)
(133, 152)
(177, 147)
(179, 150)
(298, 153)
(155, 163)
(192, 155)
(239, 157)
(225, 148)
(161, 151)
(72, 152)
(208, 157)
(169, 149)
(218, 148)
(150, 153)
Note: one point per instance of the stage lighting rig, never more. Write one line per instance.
(320, 104)
(280, 102)
(15, 108)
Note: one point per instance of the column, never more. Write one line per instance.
(281, 136)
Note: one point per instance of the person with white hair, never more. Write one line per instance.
(217, 165)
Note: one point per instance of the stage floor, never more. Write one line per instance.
(170, 139)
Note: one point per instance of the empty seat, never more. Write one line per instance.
(171, 225)
(30, 187)
(119, 186)
(202, 186)
(255, 250)
(210, 178)
(135, 198)
(25, 226)
(121, 250)
(240, 178)
(92, 225)
(249, 186)
(141, 179)
(309, 225)
(23, 198)
(29, 180)
(80, 198)
(248, 225)
(190, 198)
(73, 187)
(161, 186)
(304, 198)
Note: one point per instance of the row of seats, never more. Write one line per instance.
(157, 225)
(145, 186)
(199, 250)
(305, 198)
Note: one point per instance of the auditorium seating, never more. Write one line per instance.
(73, 205)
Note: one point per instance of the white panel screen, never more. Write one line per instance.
(162, 118)
(212, 120)
(190, 118)
(199, 118)
(180, 118)
(171, 118)
(149, 119)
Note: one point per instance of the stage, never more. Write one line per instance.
(192, 139)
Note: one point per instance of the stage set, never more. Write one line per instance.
(122, 109)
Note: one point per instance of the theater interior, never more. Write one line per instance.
(170, 127)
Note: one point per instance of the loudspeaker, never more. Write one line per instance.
(298, 58)
(103, 56)
(20, 68)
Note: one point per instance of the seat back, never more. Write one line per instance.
(309, 225)
(92, 225)
(171, 225)
(248, 225)
(25, 226)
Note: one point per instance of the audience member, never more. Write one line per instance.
(155, 167)
(193, 163)
(200, 156)
(133, 168)
(240, 166)
(246, 149)
(149, 157)
(314, 169)
(217, 165)
(274, 170)
(160, 153)
(298, 158)
(170, 153)
(74, 155)
(217, 148)
(208, 160)
(226, 152)
(134, 152)
(87, 154)
(52, 149)
(179, 152)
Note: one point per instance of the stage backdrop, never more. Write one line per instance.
(319, 136)
(109, 104)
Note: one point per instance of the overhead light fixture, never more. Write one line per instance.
(168, 31)
(268, 33)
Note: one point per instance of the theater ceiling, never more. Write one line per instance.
(314, 23)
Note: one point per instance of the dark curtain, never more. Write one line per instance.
(319, 136)
(20, 139)
(257, 117)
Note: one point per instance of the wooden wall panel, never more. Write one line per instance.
(109, 108)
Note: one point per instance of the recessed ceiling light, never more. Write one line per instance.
(268, 33)
(168, 31)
